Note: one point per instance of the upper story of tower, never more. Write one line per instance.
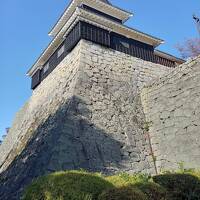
(100, 22)
(101, 8)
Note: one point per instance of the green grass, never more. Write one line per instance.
(123, 193)
(71, 185)
(125, 179)
(81, 185)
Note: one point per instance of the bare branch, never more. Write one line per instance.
(190, 48)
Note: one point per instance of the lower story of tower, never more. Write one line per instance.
(115, 41)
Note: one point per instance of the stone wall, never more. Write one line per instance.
(109, 86)
(46, 99)
(172, 108)
(86, 114)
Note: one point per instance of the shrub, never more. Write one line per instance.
(80, 185)
(180, 186)
(71, 185)
(125, 179)
(152, 190)
(195, 173)
(123, 193)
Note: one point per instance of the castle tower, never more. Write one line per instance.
(102, 23)
(85, 110)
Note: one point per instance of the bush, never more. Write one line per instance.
(152, 190)
(180, 186)
(125, 179)
(80, 185)
(70, 185)
(123, 193)
(195, 173)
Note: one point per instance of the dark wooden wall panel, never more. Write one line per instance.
(71, 40)
(88, 8)
(35, 81)
(164, 61)
(83, 30)
(132, 47)
(95, 34)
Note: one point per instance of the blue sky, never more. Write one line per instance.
(25, 24)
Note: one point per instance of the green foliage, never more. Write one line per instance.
(70, 185)
(147, 126)
(180, 186)
(124, 179)
(123, 193)
(81, 185)
(181, 167)
(152, 190)
(192, 172)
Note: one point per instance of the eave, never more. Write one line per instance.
(104, 7)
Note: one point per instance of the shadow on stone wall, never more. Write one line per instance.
(67, 140)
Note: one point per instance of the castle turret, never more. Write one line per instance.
(102, 23)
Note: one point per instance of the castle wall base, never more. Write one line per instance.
(86, 114)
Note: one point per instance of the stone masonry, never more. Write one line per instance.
(86, 114)
(172, 108)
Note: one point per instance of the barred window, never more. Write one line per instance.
(61, 51)
(125, 44)
(46, 67)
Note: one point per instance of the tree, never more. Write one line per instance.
(190, 48)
